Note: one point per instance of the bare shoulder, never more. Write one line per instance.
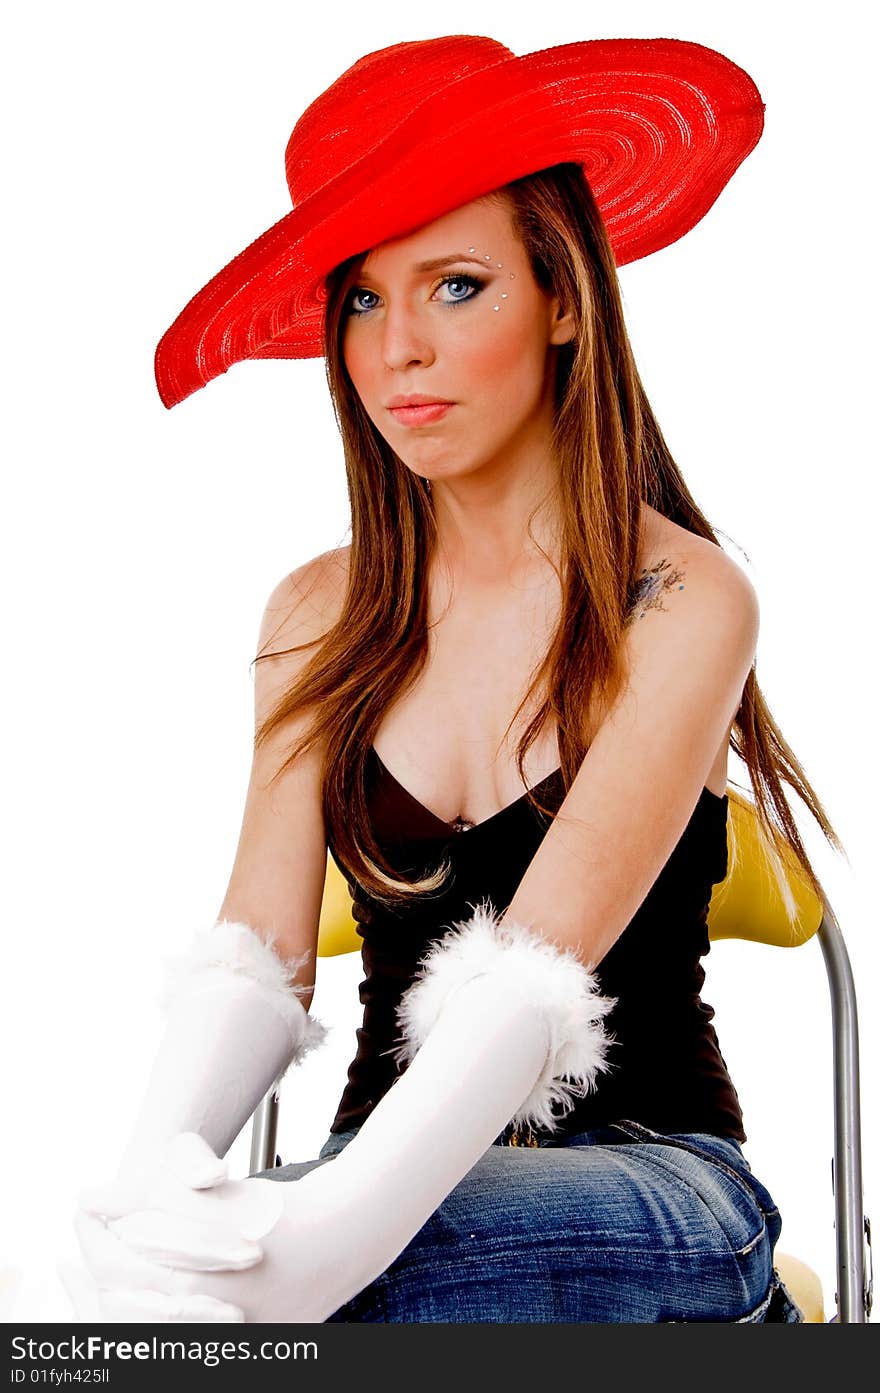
(301, 610)
(305, 603)
(694, 608)
(679, 563)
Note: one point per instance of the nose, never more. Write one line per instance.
(404, 337)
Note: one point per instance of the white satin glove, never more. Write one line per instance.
(499, 1026)
(234, 1024)
(182, 1183)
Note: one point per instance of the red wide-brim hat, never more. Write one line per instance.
(414, 130)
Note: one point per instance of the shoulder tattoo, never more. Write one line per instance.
(649, 587)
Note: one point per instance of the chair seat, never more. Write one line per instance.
(803, 1284)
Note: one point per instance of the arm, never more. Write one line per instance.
(512, 1016)
(235, 1001)
(641, 779)
(490, 1036)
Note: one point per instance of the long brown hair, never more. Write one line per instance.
(611, 455)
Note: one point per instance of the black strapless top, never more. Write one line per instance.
(669, 1073)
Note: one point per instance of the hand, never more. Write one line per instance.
(93, 1305)
(186, 1157)
(255, 1250)
(121, 1282)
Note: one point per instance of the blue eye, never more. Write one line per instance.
(473, 283)
(351, 308)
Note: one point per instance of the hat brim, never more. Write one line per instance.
(659, 126)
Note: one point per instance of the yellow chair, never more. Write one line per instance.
(748, 904)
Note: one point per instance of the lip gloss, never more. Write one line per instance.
(420, 415)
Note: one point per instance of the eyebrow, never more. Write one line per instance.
(438, 262)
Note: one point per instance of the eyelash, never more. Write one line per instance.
(473, 281)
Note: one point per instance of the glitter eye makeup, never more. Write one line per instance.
(500, 265)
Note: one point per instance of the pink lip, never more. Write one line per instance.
(420, 415)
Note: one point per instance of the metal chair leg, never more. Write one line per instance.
(851, 1226)
(264, 1134)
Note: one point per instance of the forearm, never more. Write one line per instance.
(233, 1025)
(500, 1026)
(456, 1096)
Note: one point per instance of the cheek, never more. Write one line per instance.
(505, 360)
(495, 355)
(358, 360)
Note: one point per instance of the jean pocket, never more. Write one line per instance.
(741, 1174)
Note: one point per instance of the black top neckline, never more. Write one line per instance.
(554, 776)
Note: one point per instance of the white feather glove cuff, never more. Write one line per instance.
(231, 951)
(234, 1024)
(500, 1023)
(554, 980)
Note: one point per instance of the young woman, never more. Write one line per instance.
(506, 708)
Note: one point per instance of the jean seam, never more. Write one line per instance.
(405, 1267)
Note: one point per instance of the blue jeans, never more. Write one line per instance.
(620, 1223)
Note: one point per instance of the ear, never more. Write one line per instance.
(562, 324)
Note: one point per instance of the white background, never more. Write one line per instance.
(145, 148)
